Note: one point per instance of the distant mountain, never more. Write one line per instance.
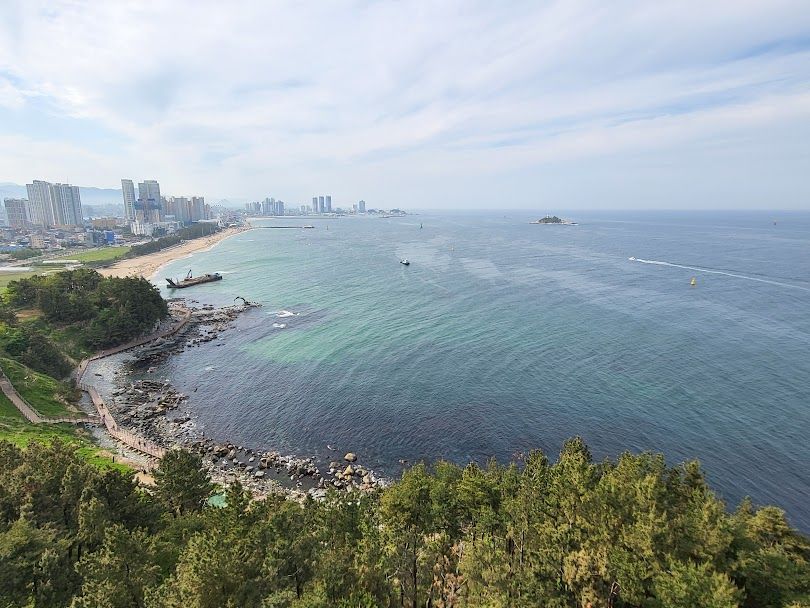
(90, 194)
(100, 196)
(9, 190)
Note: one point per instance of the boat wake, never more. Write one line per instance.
(281, 314)
(722, 272)
(279, 325)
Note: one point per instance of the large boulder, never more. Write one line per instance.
(348, 472)
(350, 457)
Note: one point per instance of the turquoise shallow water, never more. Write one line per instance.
(503, 336)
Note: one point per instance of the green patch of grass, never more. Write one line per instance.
(40, 391)
(105, 254)
(17, 430)
(8, 412)
(8, 277)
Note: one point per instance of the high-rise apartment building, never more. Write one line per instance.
(67, 205)
(16, 212)
(314, 204)
(39, 203)
(361, 207)
(54, 204)
(197, 208)
(328, 204)
(148, 206)
(128, 192)
(321, 204)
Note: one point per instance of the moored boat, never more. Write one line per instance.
(190, 280)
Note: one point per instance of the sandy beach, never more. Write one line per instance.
(147, 265)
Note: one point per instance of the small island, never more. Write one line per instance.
(553, 219)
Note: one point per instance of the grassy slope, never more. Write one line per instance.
(39, 390)
(17, 430)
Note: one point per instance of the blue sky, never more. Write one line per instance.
(557, 105)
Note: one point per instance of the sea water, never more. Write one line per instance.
(502, 336)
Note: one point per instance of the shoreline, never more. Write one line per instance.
(150, 407)
(146, 266)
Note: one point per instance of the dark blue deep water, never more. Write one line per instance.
(503, 336)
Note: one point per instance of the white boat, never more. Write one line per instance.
(405, 262)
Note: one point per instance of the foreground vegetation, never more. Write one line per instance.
(570, 534)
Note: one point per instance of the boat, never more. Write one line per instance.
(190, 280)
(693, 282)
(405, 262)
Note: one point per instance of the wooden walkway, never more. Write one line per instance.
(131, 440)
(134, 343)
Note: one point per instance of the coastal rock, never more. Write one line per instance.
(348, 472)
(350, 457)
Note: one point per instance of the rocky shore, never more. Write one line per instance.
(154, 409)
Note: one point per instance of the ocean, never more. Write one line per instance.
(502, 337)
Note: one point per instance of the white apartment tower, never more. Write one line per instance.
(39, 203)
(67, 205)
(54, 204)
(128, 192)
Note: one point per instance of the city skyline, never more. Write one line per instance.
(572, 106)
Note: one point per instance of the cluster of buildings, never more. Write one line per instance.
(150, 212)
(52, 217)
(320, 205)
(47, 206)
(269, 206)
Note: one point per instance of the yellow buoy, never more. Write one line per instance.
(693, 282)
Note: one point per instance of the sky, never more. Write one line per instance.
(418, 105)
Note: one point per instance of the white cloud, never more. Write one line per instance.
(251, 99)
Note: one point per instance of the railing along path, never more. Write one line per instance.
(128, 438)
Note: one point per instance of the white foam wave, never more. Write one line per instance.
(279, 325)
(722, 272)
(285, 313)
